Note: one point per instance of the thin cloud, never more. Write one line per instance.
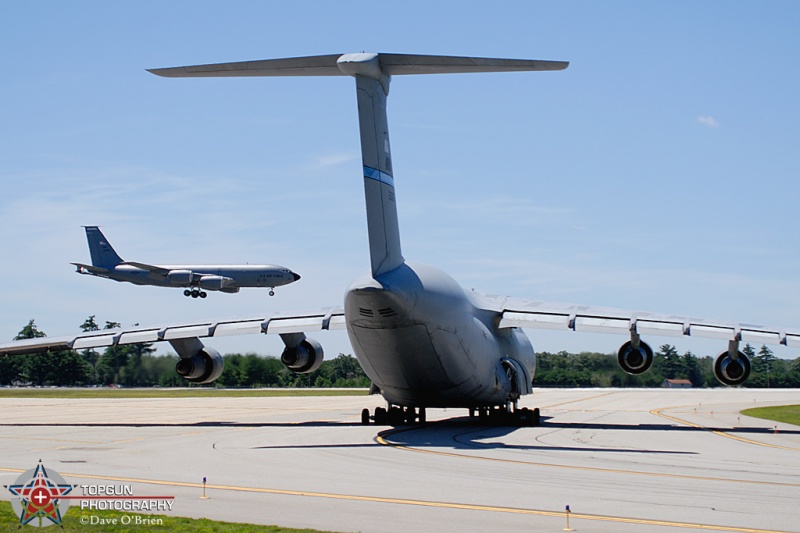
(707, 120)
(335, 159)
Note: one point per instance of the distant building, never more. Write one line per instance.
(677, 384)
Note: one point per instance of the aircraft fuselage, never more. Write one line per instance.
(428, 343)
(240, 275)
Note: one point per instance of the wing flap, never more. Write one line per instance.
(134, 337)
(511, 319)
(95, 341)
(244, 327)
(594, 324)
(667, 329)
(185, 332)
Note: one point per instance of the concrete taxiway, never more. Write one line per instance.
(623, 460)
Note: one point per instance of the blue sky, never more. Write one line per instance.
(659, 172)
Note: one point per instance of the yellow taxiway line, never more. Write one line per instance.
(725, 434)
(424, 503)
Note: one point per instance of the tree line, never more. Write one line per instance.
(137, 365)
(590, 369)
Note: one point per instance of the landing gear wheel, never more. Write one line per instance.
(203, 294)
(422, 415)
(380, 416)
(271, 292)
(187, 292)
(395, 417)
(365, 417)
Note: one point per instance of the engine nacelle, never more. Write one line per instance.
(731, 371)
(180, 277)
(203, 367)
(214, 283)
(635, 361)
(303, 358)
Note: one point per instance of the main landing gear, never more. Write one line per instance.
(195, 293)
(394, 416)
(521, 417)
(509, 415)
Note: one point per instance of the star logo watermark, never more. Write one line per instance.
(38, 497)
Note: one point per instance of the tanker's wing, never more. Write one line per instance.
(153, 269)
(331, 318)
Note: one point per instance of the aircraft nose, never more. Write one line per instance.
(296, 276)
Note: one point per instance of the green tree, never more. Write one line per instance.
(30, 331)
(692, 369)
(670, 363)
(764, 362)
(90, 356)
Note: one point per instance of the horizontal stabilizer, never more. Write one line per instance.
(327, 65)
(90, 269)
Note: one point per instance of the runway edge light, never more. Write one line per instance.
(566, 513)
(204, 497)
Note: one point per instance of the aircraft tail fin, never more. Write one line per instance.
(103, 255)
(372, 73)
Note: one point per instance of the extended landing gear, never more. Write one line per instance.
(271, 292)
(395, 416)
(195, 293)
(507, 416)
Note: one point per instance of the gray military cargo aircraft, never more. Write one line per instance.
(196, 279)
(422, 339)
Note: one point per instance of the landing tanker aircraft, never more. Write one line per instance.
(195, 278)
(423, 340)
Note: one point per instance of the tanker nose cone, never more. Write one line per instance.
(296, 276)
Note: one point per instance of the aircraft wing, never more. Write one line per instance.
(322, 319)
(569, 317)
(150, 268)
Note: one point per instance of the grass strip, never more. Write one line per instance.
(112, 521)
(788, 414)
(198, 392)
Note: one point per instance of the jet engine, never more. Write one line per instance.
(180, 277)
(304, 357)
(198, 363)
(636, 360)
(214, 282)
(730, 371)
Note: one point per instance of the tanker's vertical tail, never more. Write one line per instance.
(372, 72)
(103, 255)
